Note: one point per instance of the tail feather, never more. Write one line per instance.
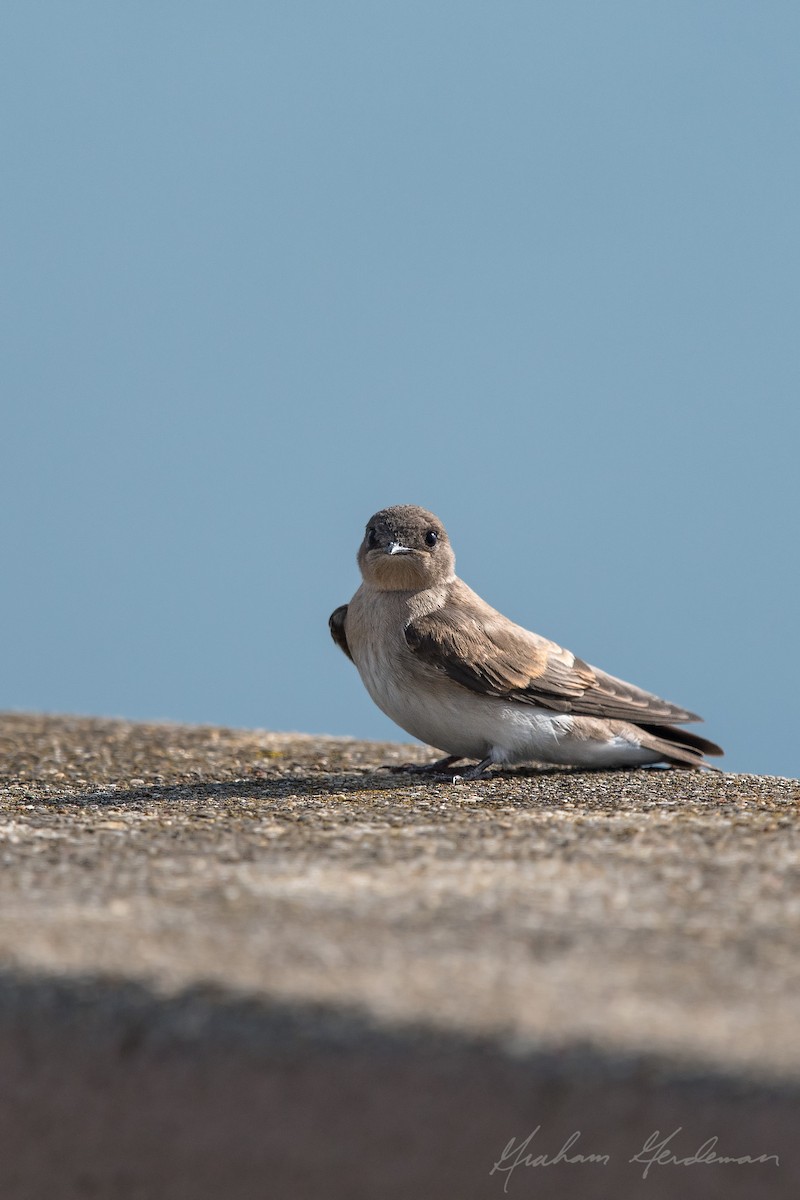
(680, 745)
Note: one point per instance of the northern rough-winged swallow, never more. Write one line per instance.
(457, 674)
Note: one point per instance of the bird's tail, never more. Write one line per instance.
(679, 746)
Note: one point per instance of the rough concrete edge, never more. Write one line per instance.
(132, 1014)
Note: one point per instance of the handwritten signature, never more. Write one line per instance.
(656, 1151)
(515, 1156)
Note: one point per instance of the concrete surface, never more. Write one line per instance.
(246, 964)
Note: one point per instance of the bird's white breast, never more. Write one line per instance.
(436, 709)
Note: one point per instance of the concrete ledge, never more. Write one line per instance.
(110, 1091)
(244, 964)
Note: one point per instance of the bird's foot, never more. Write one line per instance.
(440, 767)
(477, 771)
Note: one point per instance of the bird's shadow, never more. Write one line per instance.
(262, 785)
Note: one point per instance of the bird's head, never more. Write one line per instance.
(405, 548)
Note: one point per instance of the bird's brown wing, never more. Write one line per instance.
(336, 625)
(484, 651)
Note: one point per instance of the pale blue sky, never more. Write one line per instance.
(269, 267)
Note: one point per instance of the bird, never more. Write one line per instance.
(460, 676)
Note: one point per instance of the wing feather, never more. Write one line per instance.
(336, 624)
(484, 651)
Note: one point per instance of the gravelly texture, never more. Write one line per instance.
(628, 918)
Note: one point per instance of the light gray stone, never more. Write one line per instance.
(251, 964)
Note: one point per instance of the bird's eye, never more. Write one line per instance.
(431, 537)
(372, 538)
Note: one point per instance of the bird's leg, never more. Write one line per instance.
(476, 771)
(435, 768)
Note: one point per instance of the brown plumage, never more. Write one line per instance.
(336, 623)
(424, 643)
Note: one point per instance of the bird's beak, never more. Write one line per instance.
(397, 548)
